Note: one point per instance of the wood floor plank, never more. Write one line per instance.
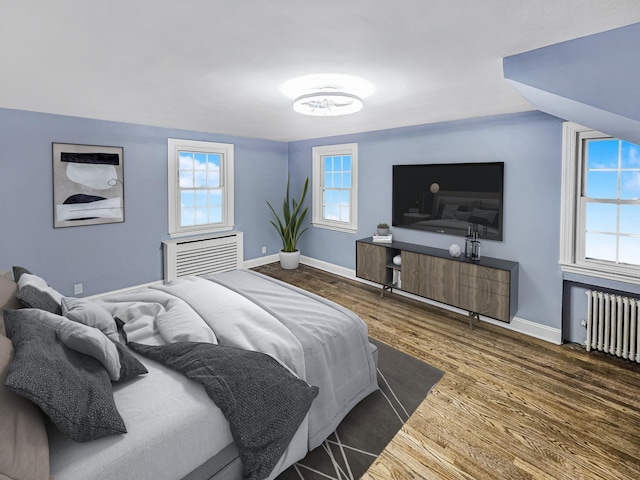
(508, 407)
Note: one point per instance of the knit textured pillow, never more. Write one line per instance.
(71, 388)
(119, 363)
(34, 292)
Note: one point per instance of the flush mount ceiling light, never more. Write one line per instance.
(327, 94)
(327, 103)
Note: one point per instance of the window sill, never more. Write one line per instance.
(598, 271)
(337, 228)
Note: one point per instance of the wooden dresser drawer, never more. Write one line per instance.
(480, 271)
(485, 284)
(478, 301)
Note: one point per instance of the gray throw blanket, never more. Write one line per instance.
(263, 402)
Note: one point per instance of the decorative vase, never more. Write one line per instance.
(383, 231)
(289, 260)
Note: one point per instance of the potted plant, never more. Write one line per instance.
(383, 229)
(289, 226)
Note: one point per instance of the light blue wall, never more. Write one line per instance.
(591, 80)
(530, 146)
(113, 256)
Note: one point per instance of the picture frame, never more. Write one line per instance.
(88, 185)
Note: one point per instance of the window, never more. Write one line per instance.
(600, 230)
(335, 179)
(200, 187)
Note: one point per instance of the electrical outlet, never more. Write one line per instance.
(77, 289)
(264, 249)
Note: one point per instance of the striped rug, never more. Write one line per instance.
(404, 382)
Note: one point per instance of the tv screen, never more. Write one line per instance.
(450, 197)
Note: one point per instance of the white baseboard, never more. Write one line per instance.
(517, 324)
(533, 329)
(329, 267)
(256, 262)
(125, 290)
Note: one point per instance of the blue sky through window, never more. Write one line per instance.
(336, 188)
(612, 191)
(200, 189)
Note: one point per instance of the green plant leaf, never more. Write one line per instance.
(288, 225)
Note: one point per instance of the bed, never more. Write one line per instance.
(311, 358)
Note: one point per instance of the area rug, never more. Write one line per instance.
(347, 454)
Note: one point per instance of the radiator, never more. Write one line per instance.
(198, 256)
(612, 325)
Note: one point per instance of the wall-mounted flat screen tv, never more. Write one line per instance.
(450, 197)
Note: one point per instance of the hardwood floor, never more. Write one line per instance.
(508, 407)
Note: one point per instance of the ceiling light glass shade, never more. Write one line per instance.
(322, 81)
(325, 104)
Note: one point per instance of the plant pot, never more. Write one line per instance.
(383, 231)
(289, 260)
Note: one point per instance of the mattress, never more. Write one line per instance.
(164, 412)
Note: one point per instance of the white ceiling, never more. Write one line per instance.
(216, 65)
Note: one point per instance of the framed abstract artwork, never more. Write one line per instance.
(88, 185)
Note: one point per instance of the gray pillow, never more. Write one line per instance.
(93, 342)
(449, 211)
(483, 217)
(18, 271)
(33, 292)
(130, 366)
(463, 216)
(91, 314)
(71, 388)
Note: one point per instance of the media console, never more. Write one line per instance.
(487, 287)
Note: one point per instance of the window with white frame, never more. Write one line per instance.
(334, 186)
(600, 229)
(200, 186)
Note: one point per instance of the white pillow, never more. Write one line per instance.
(33, 292)
(90, 314)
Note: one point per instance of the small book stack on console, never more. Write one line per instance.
(382, 238)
